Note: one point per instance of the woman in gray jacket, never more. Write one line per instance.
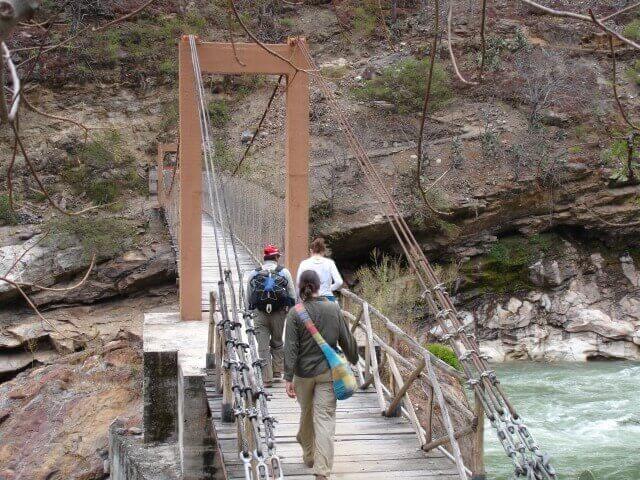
(307, 373)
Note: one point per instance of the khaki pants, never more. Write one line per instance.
(269, 327)
(317, 421)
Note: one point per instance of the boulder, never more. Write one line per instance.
(596, 321)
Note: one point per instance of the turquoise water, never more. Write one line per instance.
(586, 416)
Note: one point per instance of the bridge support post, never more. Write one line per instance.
(190, 191)
(297, 165)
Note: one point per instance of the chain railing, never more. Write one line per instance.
(241, 379)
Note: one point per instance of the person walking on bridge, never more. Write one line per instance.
(330, 278)
(308, 376)
(270, 293)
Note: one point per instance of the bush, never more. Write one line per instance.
(7, 216)
(104, 170)
(389, 287)
(403, 85)
(633, 73)
(506, 267)
(104, 237)
(446, 354)
(142, 47)
(219, 113)
(632, 30)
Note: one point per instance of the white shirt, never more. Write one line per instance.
(330, 278)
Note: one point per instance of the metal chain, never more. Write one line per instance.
(512, 432)
(254, 423)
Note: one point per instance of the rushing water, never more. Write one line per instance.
(586, 415)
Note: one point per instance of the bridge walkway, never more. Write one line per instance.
(368, 445)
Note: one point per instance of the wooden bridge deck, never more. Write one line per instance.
(368, 445)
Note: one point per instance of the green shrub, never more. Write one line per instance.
(389, 287)
(506, 267)
(219, 113)
(287, 23)
(403, 85)
(7, 215)
(632, 30)
(365, 20)
(146, 45)
(446, 354)
(633, 73)
(104, 170)
(104, 237)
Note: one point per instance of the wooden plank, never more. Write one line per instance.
(367, 445)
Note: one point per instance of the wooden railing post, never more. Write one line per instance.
(477, 467)
(212, 339)
(392, 411)
(373, 358)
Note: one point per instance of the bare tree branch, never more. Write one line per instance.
(557, 13)
(610, 31)
(425, 108)
(255, 134)
(483, 40)
(35, 286)
(615, 87)
(35, 175)
(31, 107)
(451, 54)
(92, 29)
(14, 11)
(621, 11)
(26, 250)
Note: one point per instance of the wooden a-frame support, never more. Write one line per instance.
(219, 58)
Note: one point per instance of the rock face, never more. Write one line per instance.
(580, 312)
(150, 262)
(54, 420)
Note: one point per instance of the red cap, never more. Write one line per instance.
(271, 250)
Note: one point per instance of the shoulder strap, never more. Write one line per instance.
(279, 268)
(303, 315)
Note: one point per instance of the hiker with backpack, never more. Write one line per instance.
(330, 278)
(315, 372)
(270, 293)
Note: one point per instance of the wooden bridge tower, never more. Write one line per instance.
(220, 58)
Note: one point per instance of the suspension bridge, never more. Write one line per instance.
(406, 420)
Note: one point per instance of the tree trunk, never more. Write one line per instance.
(14, 11)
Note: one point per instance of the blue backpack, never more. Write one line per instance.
(269, 290)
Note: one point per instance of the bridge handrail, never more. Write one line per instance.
(395, 397)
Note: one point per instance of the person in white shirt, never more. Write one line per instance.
(330, 278)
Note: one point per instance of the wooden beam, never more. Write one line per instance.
(404, 385)
(408, 405)
(216, 57)
(478, 471)
(446, 439)
(190, 191)
(212, 339)
(446, 419)
(296, 247)
(373, 358)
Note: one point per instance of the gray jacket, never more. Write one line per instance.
(302, 355)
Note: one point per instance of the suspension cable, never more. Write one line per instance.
(513, 434)
(254, 423)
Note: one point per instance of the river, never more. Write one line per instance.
(586, 415)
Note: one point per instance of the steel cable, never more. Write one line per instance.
(513, 434)
(241, 358)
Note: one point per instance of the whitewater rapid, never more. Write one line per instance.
(586, 415)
